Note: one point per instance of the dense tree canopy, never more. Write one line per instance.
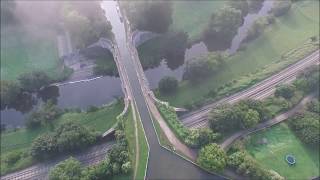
(168, 84)
(242, 5)
(245, 114)
(222, 28)
(69, 136)
(211, 157)
(33, 81)
(174, 48)
(86, 22)
(247, 166)
(69, 169)
(285, 91)
(251, 118)
(281, 7)
(155, 16)
(199, 68)
(44, 115)
(9, 92)
(200, 137)
(307, 127)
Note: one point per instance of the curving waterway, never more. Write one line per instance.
(162, 164)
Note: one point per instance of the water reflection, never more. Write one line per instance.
(78, 95)
(154, 75)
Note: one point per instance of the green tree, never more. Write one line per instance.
(69, 169)
(9, 92)
(251, 118)
(71, 136)
(168, 84)
(155, 16)
(211, 157)
(174, 48)
(33, 81)
(201, 137)
(285, 91)
(224, 118)
(307, 127)
(281, 7)
(44, 146)
(126, 167)
(197, 69)
(44, 115)
(222, 28)
(242, 5)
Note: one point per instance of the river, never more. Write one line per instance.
(154, 75)
(79, 95)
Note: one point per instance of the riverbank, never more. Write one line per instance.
(288, 36)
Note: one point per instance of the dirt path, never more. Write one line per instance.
(169, 134)
(278, 119)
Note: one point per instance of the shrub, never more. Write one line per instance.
(168, 84)
(212, 158)
(69, 169)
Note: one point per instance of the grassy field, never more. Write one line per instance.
(27, 49)
(193, 16)
(281, 141)
(143, 147)
(100, 120)
(262, 54)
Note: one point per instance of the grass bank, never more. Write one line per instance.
(282, 43)
(142, 144)
(280, 142)
(193, 16)
(25, 49)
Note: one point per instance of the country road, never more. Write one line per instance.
(280, 118)
(260, 90)
(40, 171)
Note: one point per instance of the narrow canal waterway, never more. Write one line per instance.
(162, 164)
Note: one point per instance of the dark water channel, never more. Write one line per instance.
(162, 164)
(78, 95)
(154, 75)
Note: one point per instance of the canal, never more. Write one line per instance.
(162, 164)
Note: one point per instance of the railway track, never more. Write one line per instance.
(40, 171)
(261, 90)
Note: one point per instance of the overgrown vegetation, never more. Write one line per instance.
(245, 165)
(194, 138)
(68, 137)
(306, 125)
(116, 163)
